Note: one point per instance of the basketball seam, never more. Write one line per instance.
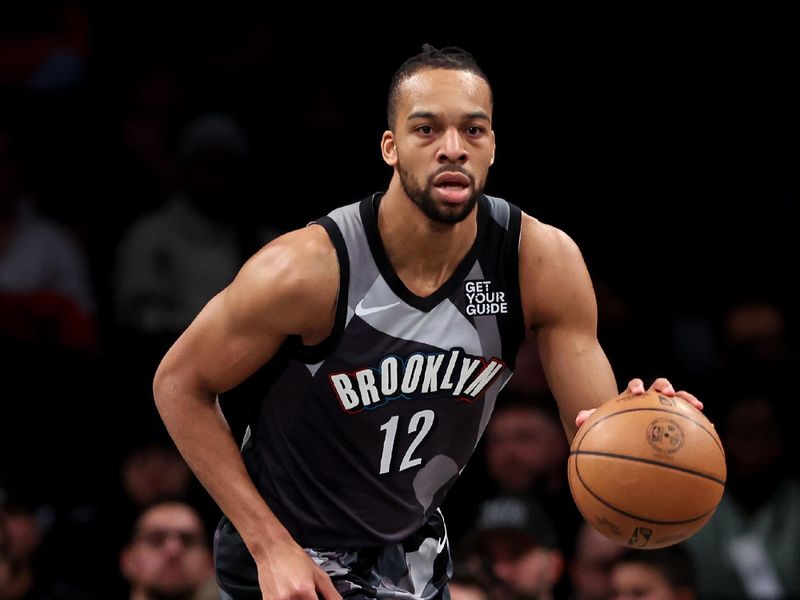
(714, 439)
(633, 516)
(649, 462)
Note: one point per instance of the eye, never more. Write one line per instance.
(475, 130)
(425, 129)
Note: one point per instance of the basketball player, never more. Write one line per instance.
(389, 327)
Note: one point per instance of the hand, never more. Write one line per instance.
(286, 572)
(662, 386)
(636, 387)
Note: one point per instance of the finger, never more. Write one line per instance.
(325, 587)
(582, 416)
(636, 386)
(663, 386)
(690, 398)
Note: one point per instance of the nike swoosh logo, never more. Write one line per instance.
(362, 311)
(442, 542)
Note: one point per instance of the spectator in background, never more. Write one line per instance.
(750, 548)
(48, 339)
(153, 471)
(5, 565)
(168, 556)
(27, 570)
(755, 331)
(465, 586)
(513, 550)
(660, 574)
(590, 565)
(526, 453)
(150, 472)
(526, 448)
(22, 536)
(153, 102)
(45, 292)
(173, 260)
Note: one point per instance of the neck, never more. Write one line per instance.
(423, 252)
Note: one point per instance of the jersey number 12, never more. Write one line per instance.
(420, 423)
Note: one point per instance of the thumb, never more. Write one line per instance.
(325, 586)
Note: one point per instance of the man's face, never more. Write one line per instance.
(524, 447)
(169, 556)
(632, 581)
(442, 144)
(590, 568)
(531, 572)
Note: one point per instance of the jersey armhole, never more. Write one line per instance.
(517, 331)
(318, 352)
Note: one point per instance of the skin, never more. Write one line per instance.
(466, 592)
(590, 569)
(532, 574)
(170, 568)
(525, 447)
(290, 287)
(154, 472)
(632, 581)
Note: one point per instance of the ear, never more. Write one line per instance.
(389, 148)
(491, 160)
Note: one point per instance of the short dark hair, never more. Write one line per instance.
(449, 57)
(673, 562)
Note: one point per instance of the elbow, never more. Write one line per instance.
(161, 385)
(168, 384)
(178, 390)
(167, 394)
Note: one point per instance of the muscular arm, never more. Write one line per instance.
(289, 287)
(561, 310)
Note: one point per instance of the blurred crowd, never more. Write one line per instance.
(136, 176)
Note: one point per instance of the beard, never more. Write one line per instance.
(423, 197)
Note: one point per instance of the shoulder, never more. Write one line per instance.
(302, 253)
(294, 278)
(553, 274)
(546, 246)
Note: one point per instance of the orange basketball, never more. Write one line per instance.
(647, 471)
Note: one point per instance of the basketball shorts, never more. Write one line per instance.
(418, 568)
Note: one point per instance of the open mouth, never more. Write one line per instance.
(451, 181)
(452, 187)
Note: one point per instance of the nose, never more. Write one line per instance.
(452, 148)
(173, 546)
(504, 569)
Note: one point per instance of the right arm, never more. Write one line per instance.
(288, 288)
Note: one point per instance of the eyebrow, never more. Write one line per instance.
(426, 114)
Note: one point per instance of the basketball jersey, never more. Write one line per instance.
(358, 438)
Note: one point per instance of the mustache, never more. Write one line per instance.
(451, 169)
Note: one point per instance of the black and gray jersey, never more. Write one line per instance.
(357, 439)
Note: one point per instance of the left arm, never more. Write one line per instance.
(560, 307)
(561, 310)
